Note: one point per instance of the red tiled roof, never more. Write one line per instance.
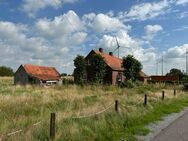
(112, 61)
(42, 72)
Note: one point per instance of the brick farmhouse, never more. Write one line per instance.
(114, 70)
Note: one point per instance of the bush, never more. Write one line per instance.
(6, 71)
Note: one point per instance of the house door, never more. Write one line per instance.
(119, 78)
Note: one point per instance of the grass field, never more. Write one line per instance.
(22, 106)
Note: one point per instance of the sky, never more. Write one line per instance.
(54, 32)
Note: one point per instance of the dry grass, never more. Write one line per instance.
(21, 106)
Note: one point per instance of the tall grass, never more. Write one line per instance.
(21, 106)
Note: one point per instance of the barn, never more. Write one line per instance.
(33, 74)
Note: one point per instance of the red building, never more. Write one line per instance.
(158, 78)
(32, 74)
(114, 69)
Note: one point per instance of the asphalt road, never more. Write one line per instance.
(177, 131)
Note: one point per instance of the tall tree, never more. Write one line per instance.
(80, 69)
(6, 71)
(132, 67)
(175, 72)
(98, 68)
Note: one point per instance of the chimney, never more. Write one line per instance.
(111, 53)
(101, 50)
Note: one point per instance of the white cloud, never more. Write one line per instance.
(146, 11)
(129, 45)
(50, 42)
(183, 15)
(104, 23)
(13, 34)
(181, 2)
(31, 7)
(57, 41)
(174, 57)
(151, 31)
(60, 25)
(176, 52)
(109, 42)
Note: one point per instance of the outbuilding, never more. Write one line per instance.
(33, 74)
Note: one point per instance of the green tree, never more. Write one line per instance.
(6, 71)
(132, 67)
(175, 72)
(98, 68)
(80, 69)
(64, 74)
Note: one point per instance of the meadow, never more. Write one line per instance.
(22, 106)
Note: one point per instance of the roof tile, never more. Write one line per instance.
(42, 72)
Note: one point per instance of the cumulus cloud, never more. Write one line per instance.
(14, 35)
(58, 40)
(151, 31)
(129, 45)
(31, 7)
(181, 2)
(60, 25)
(146, 11)
(104, 22)
(174, 57)
(176, 52)
(50, 42)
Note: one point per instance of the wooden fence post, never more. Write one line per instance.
(174, 92)
(163, 94)
(145, 100)
(52, 126)
(116, 105)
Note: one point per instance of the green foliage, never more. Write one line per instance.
(80, 69)
(64, 74)
(128, 84)
(185, 78)
(176, 72)
(6, 71)
(98, 68)
(132, 67)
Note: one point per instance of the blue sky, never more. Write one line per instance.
(53, 32)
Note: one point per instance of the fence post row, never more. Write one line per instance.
(163, 94)
(52, 126)
(145, 100)
(116, 105)
(174, 92)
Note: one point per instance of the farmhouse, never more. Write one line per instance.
(114, 70)
(32, 74)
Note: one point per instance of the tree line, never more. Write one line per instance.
(6, 71)
(130, 64)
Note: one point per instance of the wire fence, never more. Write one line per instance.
(3, 136)
(115, 104)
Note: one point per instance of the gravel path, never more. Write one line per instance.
(173, 128)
